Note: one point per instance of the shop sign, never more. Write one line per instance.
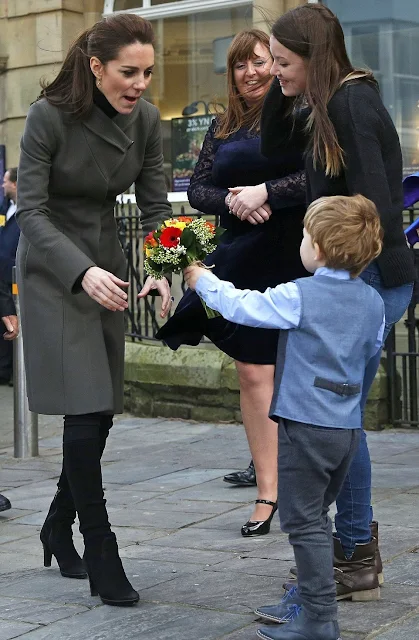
(188, 134)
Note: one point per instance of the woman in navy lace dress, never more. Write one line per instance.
(260, 248)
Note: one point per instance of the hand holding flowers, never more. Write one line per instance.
(178, 243)
(192, 275)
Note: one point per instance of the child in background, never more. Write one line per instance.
(334, 324)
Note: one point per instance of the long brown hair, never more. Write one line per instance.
(72, 89)
(238, 114)
(313, 32)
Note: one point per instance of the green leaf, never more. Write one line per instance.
(218, 233)
(187, 238)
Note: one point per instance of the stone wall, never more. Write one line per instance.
(200, 383)
(34, 38)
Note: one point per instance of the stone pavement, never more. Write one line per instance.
(178, 527)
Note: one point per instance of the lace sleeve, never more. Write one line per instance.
(203, 195)
(287, 192)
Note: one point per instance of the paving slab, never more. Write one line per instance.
(178, 528)
(407, 629)
(209, 589)
(35, 611)
(12, 629)
(162, 622)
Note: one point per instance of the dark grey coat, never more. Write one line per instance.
(69, 176)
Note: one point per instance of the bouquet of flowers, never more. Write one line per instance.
(178, 243)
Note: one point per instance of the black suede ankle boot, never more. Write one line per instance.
(57, 535)
(83, 447)
(106, 573)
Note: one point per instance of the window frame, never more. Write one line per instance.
(173, 9)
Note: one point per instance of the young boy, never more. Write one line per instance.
(334, 325)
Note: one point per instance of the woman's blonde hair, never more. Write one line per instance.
(347, 230)
(238, 114)
(314, 33)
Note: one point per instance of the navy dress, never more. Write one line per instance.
(250, 256)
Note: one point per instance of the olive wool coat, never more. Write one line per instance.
(70, 173)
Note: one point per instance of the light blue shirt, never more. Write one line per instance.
(276, 308)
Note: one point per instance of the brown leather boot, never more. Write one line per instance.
(356, 578)
(378, 561)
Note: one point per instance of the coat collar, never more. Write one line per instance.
(112, 130)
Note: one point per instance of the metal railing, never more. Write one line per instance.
(142, 319)
(25, 423)
(402, 355)
(402, 361)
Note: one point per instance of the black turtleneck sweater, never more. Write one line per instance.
(103, 104)
(373, 163)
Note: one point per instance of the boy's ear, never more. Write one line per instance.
(318, 255)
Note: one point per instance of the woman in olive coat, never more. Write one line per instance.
(87, 138)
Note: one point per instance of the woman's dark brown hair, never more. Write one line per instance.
(313, 32)
(72, 89)
(238, 114)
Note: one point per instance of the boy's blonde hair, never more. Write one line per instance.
(347, 230)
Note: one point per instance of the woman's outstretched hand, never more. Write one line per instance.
(163, 287)
(105, 288)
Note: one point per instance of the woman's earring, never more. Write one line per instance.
(98, 83)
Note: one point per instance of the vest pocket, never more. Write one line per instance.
(341, 388)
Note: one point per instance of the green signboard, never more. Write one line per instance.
(187, 137)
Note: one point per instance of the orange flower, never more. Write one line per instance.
(184, 219)
(150, 240)
(210, 226)
(170, 237)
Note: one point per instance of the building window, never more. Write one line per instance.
(384, 36)
(125, 5)
(189, 78)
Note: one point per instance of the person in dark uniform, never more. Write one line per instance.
(9, 238)
(9, 319)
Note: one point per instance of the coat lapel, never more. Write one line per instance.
(107, 136)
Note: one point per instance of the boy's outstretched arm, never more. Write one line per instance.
(275, 308)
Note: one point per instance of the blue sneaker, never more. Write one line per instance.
(285, 611)
(302, 628)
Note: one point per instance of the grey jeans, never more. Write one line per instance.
(312, 466)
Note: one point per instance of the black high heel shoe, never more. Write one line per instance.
(259, 527)
(57, 538)
(106, 574)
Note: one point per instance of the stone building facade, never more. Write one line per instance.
(35, 34)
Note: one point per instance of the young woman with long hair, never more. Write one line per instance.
(351, 147)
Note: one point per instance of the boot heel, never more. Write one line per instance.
(47, 555)
(366, 596)
(93, 590)
(381, 579)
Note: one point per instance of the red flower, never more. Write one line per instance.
(170, 237)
